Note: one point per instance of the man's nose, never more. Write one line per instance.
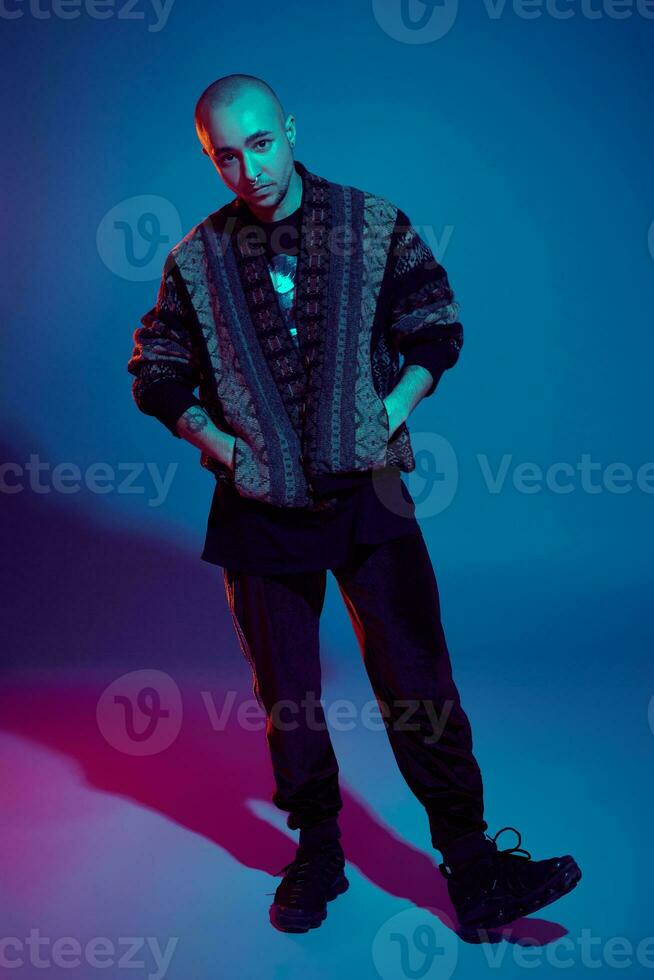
(250, 169)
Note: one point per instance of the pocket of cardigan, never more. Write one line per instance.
(245, 473)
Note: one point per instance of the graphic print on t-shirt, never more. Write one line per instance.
(282, 270)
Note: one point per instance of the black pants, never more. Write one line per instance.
(392, 599)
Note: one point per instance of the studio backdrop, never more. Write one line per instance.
(136, 781)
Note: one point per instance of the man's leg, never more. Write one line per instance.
(392, 599)
(276, 618)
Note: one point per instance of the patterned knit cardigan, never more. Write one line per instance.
(368, 289)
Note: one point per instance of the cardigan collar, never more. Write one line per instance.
(296, 372)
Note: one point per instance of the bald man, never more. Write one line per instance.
(294, 339)
(266, 178)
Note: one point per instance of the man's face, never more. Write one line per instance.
(248, 139)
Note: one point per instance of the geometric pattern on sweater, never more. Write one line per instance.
(298, 412)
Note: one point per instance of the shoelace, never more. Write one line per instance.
(488, 860)
(505, 852)
(509, 850)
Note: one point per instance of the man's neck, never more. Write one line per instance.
(290, 202)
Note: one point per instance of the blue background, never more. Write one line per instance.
(526, 146)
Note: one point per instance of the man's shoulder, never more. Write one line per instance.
(214, 222)
(373, 202)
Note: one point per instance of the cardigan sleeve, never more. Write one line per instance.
(423, 315)
(164, 360)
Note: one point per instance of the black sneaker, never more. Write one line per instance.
(502, 886)
(313, 878)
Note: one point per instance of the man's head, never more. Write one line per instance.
(242, 127)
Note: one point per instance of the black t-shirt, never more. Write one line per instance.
(281, 242)
(257, 537)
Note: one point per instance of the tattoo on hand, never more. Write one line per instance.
(196, 418)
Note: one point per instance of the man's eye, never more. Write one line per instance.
(263, 141)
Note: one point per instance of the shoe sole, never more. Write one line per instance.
(470, 935)
(563, 882)
(301, 920)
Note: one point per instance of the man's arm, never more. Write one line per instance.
(197, 428)
(423, 322)
(167, 371)
(414, 383)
